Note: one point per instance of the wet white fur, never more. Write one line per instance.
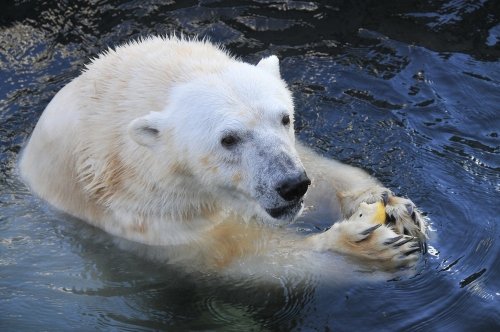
(133, 146)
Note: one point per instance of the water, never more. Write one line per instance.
(408, 91)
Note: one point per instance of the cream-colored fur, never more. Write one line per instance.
(132, 146)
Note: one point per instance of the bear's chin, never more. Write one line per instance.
(287, 212)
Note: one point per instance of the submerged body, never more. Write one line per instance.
(173, 143)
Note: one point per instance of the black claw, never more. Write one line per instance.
(409, 208)
(385, 197)
(389, 219)
(399, 244)
(370, 230)
(409, 252)
(392, 240)
(414, 217)
(423, 247)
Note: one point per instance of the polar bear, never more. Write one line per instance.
(174, 143)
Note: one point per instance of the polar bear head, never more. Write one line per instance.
(230, 132)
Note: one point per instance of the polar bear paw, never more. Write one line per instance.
(403, 216)
(401, 213)
(378, 245)
(368, 237)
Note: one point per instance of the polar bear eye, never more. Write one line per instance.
(285, 120)
(229, 140)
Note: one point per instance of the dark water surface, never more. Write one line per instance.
(408, 90)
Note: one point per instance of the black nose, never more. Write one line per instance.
(294, 188)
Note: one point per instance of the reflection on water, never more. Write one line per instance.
(408, 92)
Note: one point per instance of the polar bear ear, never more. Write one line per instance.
(146, 130)
(271, 64)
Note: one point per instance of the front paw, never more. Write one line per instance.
(401, 213)
(403, 216)
(377, 245)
